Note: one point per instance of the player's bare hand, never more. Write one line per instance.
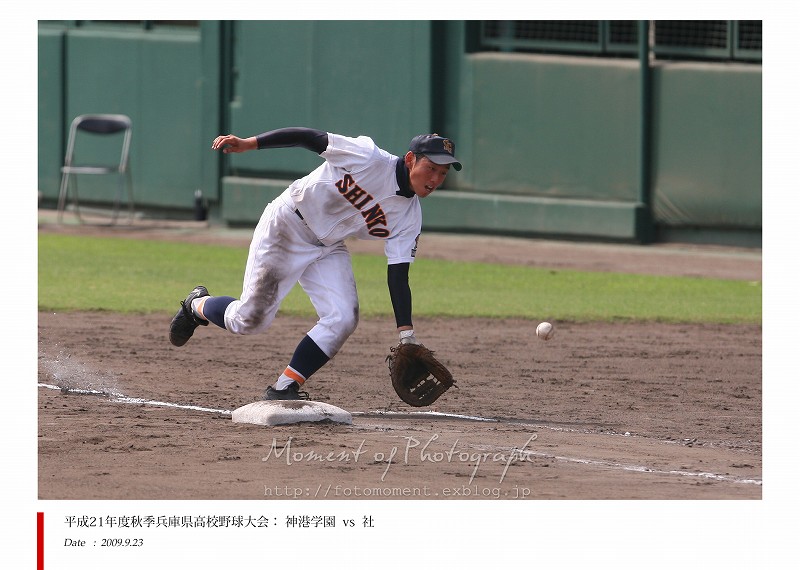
(232, 143)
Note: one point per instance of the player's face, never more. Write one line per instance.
(425, 176)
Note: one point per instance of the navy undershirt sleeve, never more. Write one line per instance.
(310, 139)
(400, 292)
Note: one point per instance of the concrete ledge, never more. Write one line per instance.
(531, 216)
(243, 200)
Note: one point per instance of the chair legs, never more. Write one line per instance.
(68, 183)
(62, 195)
(69, 186)
(123, 181)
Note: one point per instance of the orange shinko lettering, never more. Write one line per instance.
(374, 216)
(345, 183)
(354, 194)
(359, 198)
(379, 232)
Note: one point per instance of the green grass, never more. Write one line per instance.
(120, 275)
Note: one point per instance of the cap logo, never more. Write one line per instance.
(448, 146)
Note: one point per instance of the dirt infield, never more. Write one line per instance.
(602, 411)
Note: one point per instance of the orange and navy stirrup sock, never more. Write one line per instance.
(214, 309)
(289, 375)
(308, 357)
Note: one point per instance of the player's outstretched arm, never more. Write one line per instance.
(400, 294)
(311, 139)
(232, 143)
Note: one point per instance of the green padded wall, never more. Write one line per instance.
(51, 116)
(554, 126)
(352, 78)
(707, 130)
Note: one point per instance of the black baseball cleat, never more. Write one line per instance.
(293, 392)
(184, 322)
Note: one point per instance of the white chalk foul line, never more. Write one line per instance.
(121, 398)
(641, 468)
(425, 413)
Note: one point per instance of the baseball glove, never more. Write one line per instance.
(417, 376)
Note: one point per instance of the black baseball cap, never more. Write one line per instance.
(437, 149)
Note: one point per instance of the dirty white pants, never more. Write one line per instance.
(284, 252)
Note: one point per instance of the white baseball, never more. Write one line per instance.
(545, 331)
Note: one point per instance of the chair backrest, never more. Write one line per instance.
(102, 124)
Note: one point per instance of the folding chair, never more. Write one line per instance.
(99, 125)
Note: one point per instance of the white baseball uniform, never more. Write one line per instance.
(300, 238)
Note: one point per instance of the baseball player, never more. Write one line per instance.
(359, 191)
